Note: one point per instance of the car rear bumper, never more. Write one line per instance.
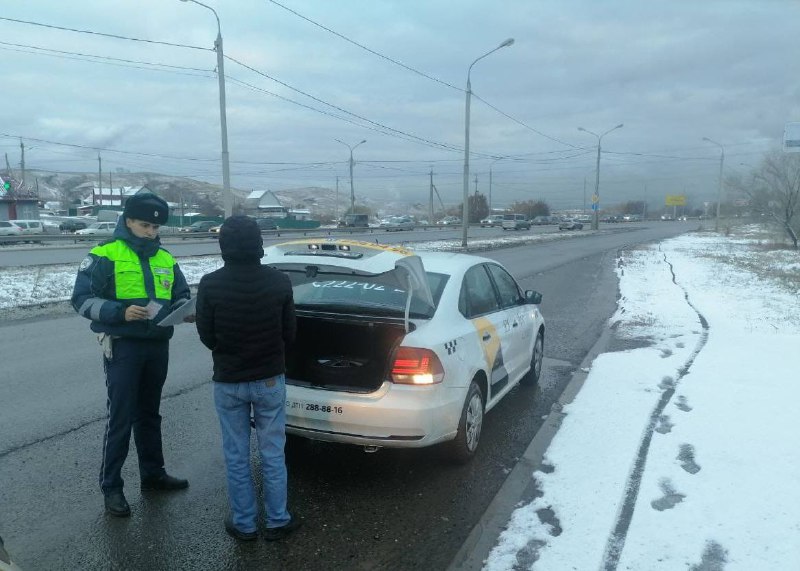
(394, 416)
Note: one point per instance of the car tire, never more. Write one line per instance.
(531, 378)
(463, 447)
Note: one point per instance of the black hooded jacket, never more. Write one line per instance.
(245, 311)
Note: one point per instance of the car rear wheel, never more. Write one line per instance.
(463, 447)
(531, 378)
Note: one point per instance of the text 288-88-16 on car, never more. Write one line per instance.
(402, 349)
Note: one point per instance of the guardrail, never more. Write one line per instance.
(170, 233)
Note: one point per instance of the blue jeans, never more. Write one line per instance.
(266, 399)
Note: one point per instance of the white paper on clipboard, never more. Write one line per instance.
(177, 315)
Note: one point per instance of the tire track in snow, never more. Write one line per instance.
(616, 542)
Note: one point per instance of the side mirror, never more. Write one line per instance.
(533, 297)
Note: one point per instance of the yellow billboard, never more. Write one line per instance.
(675, 200)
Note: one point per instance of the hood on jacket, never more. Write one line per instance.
(240, 240)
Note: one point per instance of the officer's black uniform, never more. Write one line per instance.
(128, 270)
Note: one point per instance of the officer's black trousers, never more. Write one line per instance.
(135, 375)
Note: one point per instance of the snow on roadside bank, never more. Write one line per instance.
(680, 454)
(22, 286)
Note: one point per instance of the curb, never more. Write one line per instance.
(519, 484)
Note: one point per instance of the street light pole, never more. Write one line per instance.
(719, 189)
(596, 197)
(227, 196)
(465, 208)
(352, 162)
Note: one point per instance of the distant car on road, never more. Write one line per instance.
(449, 221)
(199, 226)
(35, 228)
(97, 229)
(9, 229)
(71, 225)
(354, 221)
(570, 224)
(516, 222)
(492, 220)
(397, 224)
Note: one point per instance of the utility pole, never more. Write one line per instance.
(430, 199)
(100, 177)
(22, 164)
(644, 208)
(476, 183)
(336, 204)
(490, 189)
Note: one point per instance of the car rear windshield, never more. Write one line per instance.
(378, 294)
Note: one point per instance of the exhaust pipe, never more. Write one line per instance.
(371, 449)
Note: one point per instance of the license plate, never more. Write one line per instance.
(303, 408)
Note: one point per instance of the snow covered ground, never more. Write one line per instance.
(33, 285)
(681, 453)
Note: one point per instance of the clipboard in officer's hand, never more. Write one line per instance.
(176, 316)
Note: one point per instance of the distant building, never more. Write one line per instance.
(264, 203)
(16, 200)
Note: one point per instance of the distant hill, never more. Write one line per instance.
(321, 201)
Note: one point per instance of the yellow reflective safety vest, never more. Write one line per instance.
(129, 278)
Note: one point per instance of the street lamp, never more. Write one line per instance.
(226, 171)
(352, 162)
(465, 210)
(719, 189)
(596, 197)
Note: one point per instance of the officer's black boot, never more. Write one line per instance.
(116, 504)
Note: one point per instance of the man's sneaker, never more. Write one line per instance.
(277, 533)
(116, 504)
(238, 534)
(164, 482)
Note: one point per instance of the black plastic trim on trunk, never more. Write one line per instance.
(387, 438)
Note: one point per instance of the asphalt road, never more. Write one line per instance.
(67, 251)
(388, 510)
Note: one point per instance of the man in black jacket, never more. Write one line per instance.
(245, 315)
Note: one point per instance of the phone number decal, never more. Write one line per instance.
(299, 406)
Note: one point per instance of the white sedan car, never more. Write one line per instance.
(402, 349)
(97, 229)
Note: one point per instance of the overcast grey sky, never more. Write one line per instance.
(672, 71)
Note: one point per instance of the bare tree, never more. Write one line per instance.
(774, 190)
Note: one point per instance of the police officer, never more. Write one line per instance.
(125, 286)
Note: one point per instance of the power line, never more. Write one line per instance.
(111, 60)
(416, 71)
(363, 47)
(504, 114)
(105, 35)
(444, 146)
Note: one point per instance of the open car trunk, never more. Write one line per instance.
(342, 353)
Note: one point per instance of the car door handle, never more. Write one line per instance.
(486, 336)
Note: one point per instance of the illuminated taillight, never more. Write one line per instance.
(414, 366)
